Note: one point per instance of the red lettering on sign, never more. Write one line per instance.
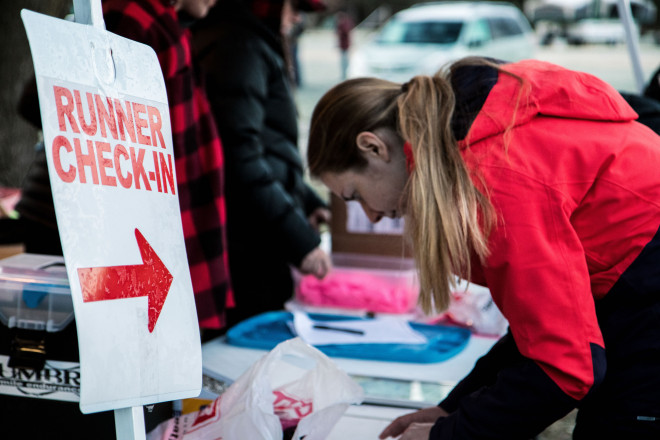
(106, 117)
(105, 162)
(141, 123)
(157, 172)
(86, 160)
(108, 163)
(120, 151)
(58, 143)
(65, 109)
(89, 129)
(138, 168)
(125, 120)
(155, 122)
(104, 147)
(168, 172)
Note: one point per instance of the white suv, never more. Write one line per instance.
(425, 37)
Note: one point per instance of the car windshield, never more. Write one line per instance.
(435, 32)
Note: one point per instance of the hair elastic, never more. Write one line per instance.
(410, 160)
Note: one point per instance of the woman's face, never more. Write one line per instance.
(379, 187)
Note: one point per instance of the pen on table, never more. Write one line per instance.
(337, 329)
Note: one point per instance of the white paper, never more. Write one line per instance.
(384, 330)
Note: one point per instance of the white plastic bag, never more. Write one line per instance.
(294, 384)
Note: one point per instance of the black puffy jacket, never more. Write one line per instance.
(246, 77)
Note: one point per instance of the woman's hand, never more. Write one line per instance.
(318, 217)
(417, 431)
(415, 424)
(316, 263)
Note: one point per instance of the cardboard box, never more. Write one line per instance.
(352, 233)
(373, 269)
(8, 250)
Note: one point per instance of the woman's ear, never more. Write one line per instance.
(371, 144)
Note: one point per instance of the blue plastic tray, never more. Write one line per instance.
(267, 330)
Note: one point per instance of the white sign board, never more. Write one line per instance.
(108, 139)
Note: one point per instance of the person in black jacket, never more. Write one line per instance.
(36, 226)
(652, 89)
(272, 213)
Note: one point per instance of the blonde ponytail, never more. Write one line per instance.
(448, 217)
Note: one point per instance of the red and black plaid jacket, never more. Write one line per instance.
(197, 148)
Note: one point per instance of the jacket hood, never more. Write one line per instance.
(547, 90)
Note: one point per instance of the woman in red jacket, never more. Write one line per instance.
(538, 183)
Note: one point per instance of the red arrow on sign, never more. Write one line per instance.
(150, 279)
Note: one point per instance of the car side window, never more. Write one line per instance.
(477, 33)
(504, 27)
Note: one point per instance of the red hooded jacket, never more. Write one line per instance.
(575, 185)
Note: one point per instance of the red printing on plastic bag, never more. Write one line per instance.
(290, 409)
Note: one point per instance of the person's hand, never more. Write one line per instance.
(316, 263)
(318, 217)
(417, 431)
(417, 421)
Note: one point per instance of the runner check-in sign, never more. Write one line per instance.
(108, 141)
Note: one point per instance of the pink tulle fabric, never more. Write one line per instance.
(359, 290)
